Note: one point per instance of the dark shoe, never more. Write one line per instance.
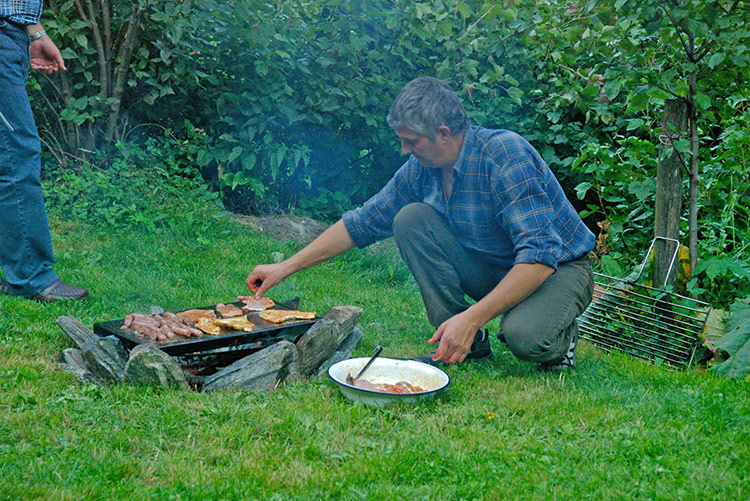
(480, 350)
(4, 289)
(567, 362)
(60, 291)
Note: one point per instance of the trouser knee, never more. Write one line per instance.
(411, 218)
(530, 346)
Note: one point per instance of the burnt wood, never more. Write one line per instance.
(323, 339)
(345, 350)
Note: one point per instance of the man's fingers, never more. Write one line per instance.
(437, 336)
(261, 290)
(253, 283)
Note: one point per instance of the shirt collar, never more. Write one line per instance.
(458, 167)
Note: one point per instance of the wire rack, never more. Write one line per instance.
(650, 323)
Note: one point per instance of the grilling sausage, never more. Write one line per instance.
(161, 327)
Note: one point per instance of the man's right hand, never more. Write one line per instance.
(265, 276)
(330, 243)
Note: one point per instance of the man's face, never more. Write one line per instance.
(429, 153)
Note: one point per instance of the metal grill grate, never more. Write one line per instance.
(649, 323)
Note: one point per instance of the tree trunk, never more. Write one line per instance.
(668, 204)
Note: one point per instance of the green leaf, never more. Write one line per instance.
(582, 189)
(713, 267)
(249, 161)
(236, 152)
(634, 123)
(703, 101)
(681, 88)
(682, 145)
(82, 41)
(203, 157)
(463, 9)
(422, 9)
(716, 60)
(643, 190)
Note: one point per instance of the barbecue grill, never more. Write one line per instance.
(210, 352)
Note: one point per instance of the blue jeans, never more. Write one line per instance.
(26, 254)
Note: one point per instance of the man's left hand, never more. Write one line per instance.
(455, 336)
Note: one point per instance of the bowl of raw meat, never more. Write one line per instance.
(388, 380)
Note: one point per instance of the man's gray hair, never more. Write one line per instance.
(425, 104)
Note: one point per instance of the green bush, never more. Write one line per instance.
(121, 190)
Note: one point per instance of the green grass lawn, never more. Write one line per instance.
(615, 429)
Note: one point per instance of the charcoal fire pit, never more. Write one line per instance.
(258, 360)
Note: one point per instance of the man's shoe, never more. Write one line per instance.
(480, 350)
(4, 289)
(567, 362)
(60, 291)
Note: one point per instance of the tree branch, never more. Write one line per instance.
(477, 22)
(105, 7)
(121, 73)
(89, 16)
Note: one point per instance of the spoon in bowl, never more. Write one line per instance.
(350, 380)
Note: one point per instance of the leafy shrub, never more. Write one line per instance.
(124, 189)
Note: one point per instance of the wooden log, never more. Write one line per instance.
(149, 365)
(261, 371)
(346, 348)
(345, 317)
(317, 345)
(76, 331)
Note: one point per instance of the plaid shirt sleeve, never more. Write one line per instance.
(374, 220)
(24, 12)
(529, 202)
(527, 213)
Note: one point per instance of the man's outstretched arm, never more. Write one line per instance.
(332, 242)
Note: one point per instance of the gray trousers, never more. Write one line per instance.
(539, 329)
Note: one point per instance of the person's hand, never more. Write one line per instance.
(455, 336)
(265, 276)
(45, 56)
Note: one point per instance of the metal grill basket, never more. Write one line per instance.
(653, 324)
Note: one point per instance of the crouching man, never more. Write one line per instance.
(475, 212)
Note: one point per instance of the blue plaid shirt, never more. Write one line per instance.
(505, 203)
(21, 11)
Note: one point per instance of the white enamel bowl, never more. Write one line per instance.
(389, 371)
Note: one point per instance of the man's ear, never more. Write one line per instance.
(443, 132)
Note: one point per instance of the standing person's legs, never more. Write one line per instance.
(26, 252)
